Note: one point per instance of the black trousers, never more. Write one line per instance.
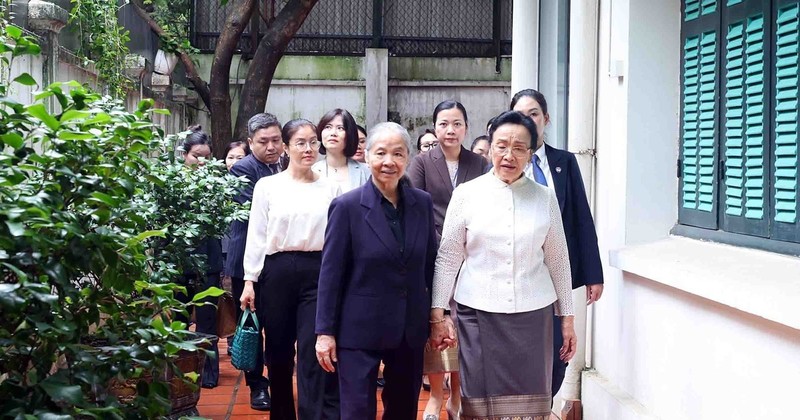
(255, 379)
(559, 366)
(206, 318)
(288, 311)
(358, 372)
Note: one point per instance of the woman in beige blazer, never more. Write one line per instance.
(439, 172)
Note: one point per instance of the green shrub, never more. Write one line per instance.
(97, 224)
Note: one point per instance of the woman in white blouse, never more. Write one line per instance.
(504, 252)
(338, 132)
(288, 218)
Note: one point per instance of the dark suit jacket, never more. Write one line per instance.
(584, 256)
(211, 248)
(428, 172)
(254, 170)
(370, 296)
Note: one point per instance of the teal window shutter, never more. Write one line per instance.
(694, 9)
(745, 141)
(699, 131)
(785, 182)
(739, 164)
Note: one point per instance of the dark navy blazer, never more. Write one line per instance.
(584, 256)
(370, 296)
(254, 170)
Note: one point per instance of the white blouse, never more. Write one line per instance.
(286, 215)
(509, 245)
(357, 174)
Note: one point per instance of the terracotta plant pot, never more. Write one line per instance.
(184, 396)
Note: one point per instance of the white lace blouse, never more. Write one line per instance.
(509, 245)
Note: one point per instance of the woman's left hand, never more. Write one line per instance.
(570, 345)
(442, 333)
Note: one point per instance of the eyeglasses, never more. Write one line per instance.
(516, 151)
(428, 146)
(304, 145)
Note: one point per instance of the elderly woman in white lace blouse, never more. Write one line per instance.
(503, 250)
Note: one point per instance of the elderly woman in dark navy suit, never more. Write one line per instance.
(374, 285)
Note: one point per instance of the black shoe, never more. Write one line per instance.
(260, 400)
(381, 382)
(209, 385)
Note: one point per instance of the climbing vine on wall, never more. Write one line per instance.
(103, 40)
(173, 17)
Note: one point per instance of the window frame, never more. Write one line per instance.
(717, 225)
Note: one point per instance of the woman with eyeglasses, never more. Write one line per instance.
(288, 218)
(439, 172)
(558, 170)
(338, 132)
(504, 254)
(426, 141)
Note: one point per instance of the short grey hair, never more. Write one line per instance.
(260, 121)
(385, 128)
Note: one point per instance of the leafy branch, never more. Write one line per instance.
(104, 41)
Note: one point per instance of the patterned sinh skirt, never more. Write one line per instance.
(436, 361)
(506, 364)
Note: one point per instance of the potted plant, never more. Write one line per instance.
(91, 251)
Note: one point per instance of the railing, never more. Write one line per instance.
(419, 28)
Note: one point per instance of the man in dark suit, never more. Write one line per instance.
(266, 145)
(374, 286)
(558, 169)
(584, 255)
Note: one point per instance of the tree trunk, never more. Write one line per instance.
(239, 13)
(269, 53)
(199, 84)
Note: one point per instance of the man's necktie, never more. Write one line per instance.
(538, 174)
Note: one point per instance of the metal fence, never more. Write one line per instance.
(441, 28)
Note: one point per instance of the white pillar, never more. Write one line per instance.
(525, 45)
(581, 131)
(377, 84)
(46, 20)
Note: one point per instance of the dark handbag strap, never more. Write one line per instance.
(247, 313)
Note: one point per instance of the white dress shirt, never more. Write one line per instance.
(542, 164)
(286, 215)
(506, 245)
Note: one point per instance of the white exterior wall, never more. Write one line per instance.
(309, 86)
(412, 104)
(686, 329)
(173, 123)
(311, 100)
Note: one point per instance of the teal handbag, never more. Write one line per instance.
(244, 349)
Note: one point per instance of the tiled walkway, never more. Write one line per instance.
(231, 398)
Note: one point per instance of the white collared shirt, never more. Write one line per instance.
(286, 215)
(542, 164)
(503, 249)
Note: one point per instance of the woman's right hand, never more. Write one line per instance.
(326, 352)
(248, 296)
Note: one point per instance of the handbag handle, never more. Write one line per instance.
(247, 313)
